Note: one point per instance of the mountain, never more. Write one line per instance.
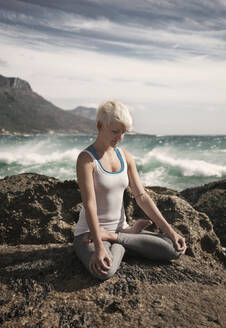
(88, 112)
(24, 111)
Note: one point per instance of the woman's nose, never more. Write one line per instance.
(120, 136)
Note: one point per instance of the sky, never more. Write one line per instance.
(166, 60)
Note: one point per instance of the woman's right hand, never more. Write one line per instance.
(100, 262)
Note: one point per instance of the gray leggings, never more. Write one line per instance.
(145, 244)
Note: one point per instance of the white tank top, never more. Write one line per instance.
(109, 189)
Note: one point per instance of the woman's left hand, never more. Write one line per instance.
(179, 242)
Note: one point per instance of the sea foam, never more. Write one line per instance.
(187, 167)
(176, 162)
(39, 153)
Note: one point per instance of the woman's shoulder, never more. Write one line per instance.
(85, 156)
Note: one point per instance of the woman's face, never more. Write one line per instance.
(113, 133)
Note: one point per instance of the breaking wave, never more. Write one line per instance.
(177, 162)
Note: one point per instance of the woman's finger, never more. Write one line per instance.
(96, 269)
(182, 245)
(99, 269)
(106, 263)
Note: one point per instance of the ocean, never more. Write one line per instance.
(176, 162)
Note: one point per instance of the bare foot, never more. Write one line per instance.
(138, 226)
(105, 235)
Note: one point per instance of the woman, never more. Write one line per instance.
(104, 171)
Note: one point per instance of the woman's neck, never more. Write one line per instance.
(102, 147)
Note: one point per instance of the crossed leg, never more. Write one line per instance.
(85, 250)
(149, 245)
(144, 243)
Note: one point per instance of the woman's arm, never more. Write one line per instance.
(100, 260)
(148, 206)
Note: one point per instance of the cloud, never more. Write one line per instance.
(164, 58)
(159, 32)
(3, 63)
(197, 79)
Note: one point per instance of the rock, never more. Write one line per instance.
(195, 226)
(46, 286)
(14, 83)
(43, 284)
(36, 209)
(210, 199)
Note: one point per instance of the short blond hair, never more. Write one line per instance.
(112, 110)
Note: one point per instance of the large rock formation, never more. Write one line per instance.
(36, 209)
(210, 199)
(14, 83)
(24, 111)
(195, 226)
(43, 284)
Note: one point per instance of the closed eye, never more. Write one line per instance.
(118, 131)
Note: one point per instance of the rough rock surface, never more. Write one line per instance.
(36, 209)
(210, 199)
(195, 226)
(44, 285)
